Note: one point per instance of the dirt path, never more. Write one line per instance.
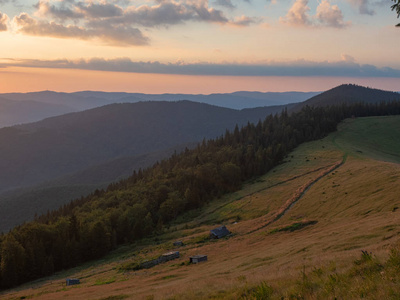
(263, 189)
(300, 192)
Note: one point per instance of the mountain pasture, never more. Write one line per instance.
(336, 215)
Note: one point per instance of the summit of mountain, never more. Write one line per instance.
(349, 93)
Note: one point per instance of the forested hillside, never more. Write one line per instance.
(48, 158)
(141, 205)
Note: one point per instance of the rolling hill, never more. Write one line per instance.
(73, 150)
(312, 251)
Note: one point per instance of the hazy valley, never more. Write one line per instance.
(17, 108)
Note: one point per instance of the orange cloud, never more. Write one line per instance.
(245, 21)
(327, 15)
(3, 22)
(330, 15)
(114, 35)
(298, 14)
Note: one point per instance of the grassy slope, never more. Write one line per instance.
(355, 207)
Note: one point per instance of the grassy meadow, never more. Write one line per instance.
(337, 197)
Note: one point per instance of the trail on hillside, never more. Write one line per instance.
(299, 193)
(265, 188)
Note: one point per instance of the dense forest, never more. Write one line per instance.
(90, 227)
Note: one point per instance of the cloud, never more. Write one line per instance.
(363, 7)
(163, 13)
(101, 10)
(203, 13)
(347, 58)
(245, 21)
(298, 14)
(117, 25)
(112, 35)
(3, 22)
(327, 15)
(30, 26)
(170, 13)
(344, 68)
(330, 15)
(225, 3)
(63, 12)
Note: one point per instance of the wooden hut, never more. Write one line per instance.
(70, 281)
(197, 259)
(169, 256)
(219, 232)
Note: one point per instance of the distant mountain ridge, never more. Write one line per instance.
(25, 111)
(18, 108)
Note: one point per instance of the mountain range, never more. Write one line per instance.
(18, 108)
(48, 163)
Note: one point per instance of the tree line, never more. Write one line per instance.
(141, 205)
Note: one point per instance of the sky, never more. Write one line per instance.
(197, 46)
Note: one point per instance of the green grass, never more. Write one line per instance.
(372, 137)
(105, 281)
(168, 277)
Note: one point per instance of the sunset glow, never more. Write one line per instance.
(196, 46)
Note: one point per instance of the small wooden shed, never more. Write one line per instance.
(70, 281)
(197, 259)
(169, 256)
(219, 232)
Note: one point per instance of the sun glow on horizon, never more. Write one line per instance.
(19, 79)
